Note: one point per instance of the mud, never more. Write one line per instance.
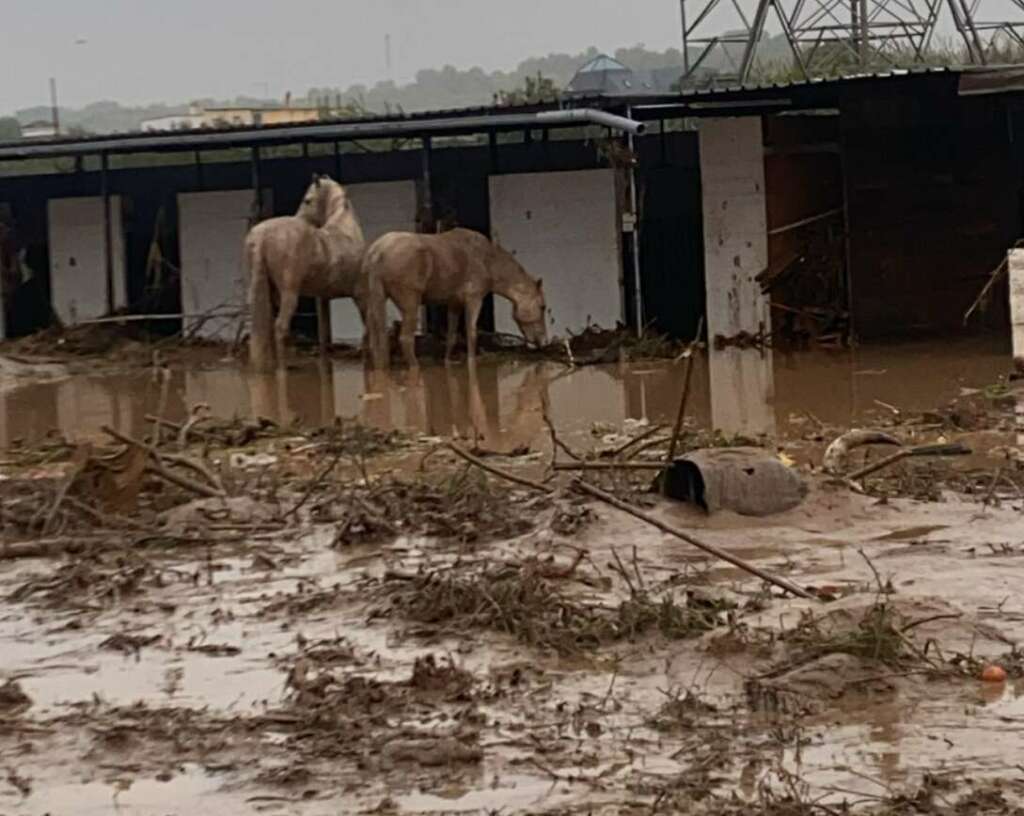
(366, 623)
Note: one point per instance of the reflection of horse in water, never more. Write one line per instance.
(474, 402)
(482, 404)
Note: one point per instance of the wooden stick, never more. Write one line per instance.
(473, 460)
(62, 494)
(997, 273)
(609, 465)
(105, 519)
(607, 498)
(176, 427)
(621, 449)
(683, 399)
(906, 453)
(156, 466)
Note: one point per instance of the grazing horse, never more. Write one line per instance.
(315, 253)
(458, 268)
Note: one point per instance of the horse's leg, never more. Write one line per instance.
(454, 312)
(283, 324)
(473, 306)
(410, 309)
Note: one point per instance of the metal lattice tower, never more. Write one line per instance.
(825, 36)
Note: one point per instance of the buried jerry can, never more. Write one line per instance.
(748, 481)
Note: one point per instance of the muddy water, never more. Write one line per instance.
(501, 403)
(952, 550)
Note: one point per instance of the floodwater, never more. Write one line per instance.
(501, 403)
(956, 551)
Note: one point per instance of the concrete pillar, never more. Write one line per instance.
(1015, 263)
(735, 253)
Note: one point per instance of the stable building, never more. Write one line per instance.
(870, 206)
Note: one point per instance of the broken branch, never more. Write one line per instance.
(511, 477)
(922, 450)
(607, 498)
(156, 466)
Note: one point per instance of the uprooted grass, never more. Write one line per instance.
(782, 793)
(520, 601)
(877, 636)
(96, 581)
(334, 714)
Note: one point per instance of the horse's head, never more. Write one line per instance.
(323, 200)
(527, 296)
(529, 310)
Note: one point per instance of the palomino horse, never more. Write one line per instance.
(458, 268)
(317, 253)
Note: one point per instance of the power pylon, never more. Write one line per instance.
(823, 34)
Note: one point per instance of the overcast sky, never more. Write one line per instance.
(174, 50)
(135, 51)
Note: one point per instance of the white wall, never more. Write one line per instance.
(562, 227)
(211, 229)
(384, 206)
(735, 252)
(78, 268)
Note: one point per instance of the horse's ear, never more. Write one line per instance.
(316, 179)
(540, 285)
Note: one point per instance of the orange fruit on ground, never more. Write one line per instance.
(994, 674)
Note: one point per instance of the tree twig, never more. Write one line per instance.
(319, 480)
(511, 477)
(955, 449)
(607, 498)
(609, 466)
(683, 399)
(636, 440)
(156, 466)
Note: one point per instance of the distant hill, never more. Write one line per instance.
(432, 88)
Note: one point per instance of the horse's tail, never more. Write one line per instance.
(261, 311)
(375, 311)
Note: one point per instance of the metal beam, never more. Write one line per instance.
(253, 137)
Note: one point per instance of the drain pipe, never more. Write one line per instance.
(592, 116)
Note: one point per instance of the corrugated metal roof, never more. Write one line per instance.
(475, 117)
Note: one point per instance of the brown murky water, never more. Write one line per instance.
(736, 391)
(946, 550)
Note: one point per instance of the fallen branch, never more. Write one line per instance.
(636, 440)
(609, 466)
(607, 498)
(922, 450)
(104, 518)
(997, 273)
(62, 494)
(46, 547)
(319, 480)
(556, 443)
(156, 466)
(176, 427)
(200, 411)
(520, 480)
(683, 399)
